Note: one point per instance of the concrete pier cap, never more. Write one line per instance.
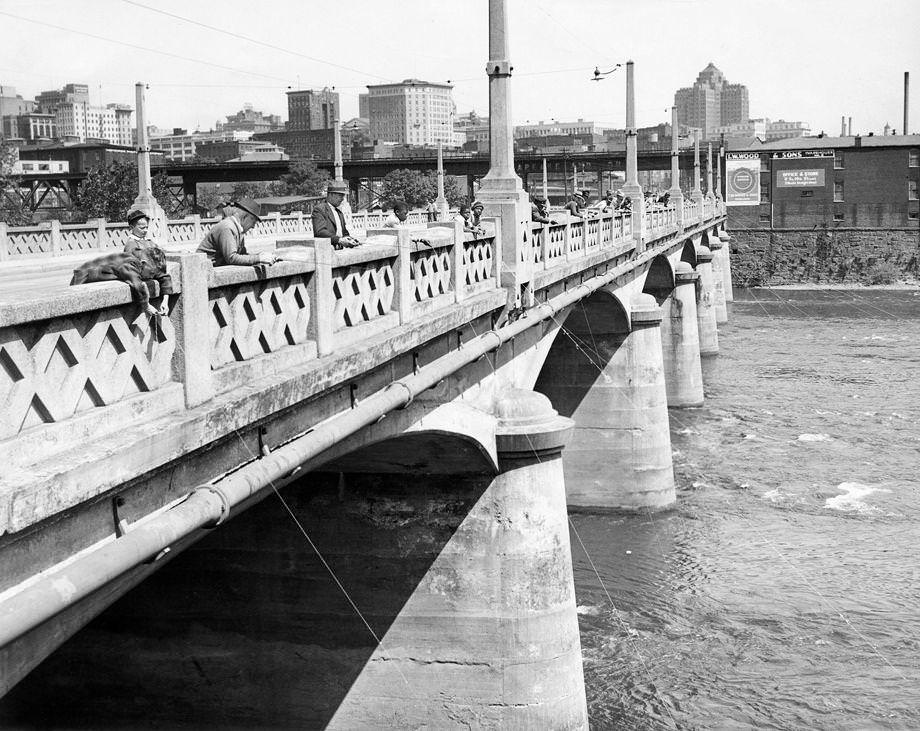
(528, 425)
(703, 255)
(644, 311)
(715, 243)
(724, 237)
(684, 273)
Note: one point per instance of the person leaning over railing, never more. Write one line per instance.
(398, 215)
(139, 246)
(539, 213)
(329, 221)
(225, 242)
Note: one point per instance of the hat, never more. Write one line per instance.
(250, 206)
(539, 199)
(136, 214)
(577, 194)
(337, 186)
(477, 204)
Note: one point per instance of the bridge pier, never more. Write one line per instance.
(718, 281)
(489, 636)
(705, 305)
(727, 267)
(680, 341)
(612, 384)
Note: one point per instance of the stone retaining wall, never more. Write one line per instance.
(879, 256)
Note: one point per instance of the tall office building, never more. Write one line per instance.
(711, 102)
(309, 109)
(412, 112)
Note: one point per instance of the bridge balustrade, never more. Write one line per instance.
(94, 348)
(56, 239)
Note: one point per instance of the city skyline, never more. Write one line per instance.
(554, 53)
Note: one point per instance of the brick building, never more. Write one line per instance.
(310, 110)
(832, 209)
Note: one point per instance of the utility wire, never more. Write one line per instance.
(144, 48)
(251, 40)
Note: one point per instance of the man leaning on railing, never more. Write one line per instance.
(225, 243)
(329, 221)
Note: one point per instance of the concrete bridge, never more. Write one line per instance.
(407, 404)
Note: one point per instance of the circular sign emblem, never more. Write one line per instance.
(743, 181)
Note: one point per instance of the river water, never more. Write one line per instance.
(784, 590)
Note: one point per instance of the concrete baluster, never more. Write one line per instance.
(322, 297)
(276, 217)
(55, 238)
(680, 341)
(196, 228)
(4, 242)
(718, 282)
(705, 305)
(190, 317)
(727, 266)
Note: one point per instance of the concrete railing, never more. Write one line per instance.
(551, 243)
(90, 361)
(56, 239)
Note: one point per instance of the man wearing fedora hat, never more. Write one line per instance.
(539, 213)
(224, 243)
(329, 221)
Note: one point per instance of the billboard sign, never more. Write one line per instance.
(800, 178)
(799, 154)
(742, 173)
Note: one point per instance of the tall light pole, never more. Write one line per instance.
(696, 194)
(545, 182)
(145, 200)
(501, 192)
(441, 201)
(631, 187)
(709, 193)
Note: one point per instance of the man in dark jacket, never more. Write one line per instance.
(224, 243)
(329, 221)
(539, 212)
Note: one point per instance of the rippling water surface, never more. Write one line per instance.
(784, 590)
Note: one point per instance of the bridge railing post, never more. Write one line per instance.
(403, 274)
(457, 267)
(496, 249)
(322, 297)
(276, 217)
(192, 359)
(4, 242)
(99, 225)
(196, 227)
(55, 238)
(568, 238)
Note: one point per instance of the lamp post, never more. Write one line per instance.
(709, 193)
(696, 194)
(675, 194)
(631, 187)
(502, 194)
(441, 201)
(145, 200)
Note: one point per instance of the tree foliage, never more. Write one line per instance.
(419, 189)
(109, 192)
(303, 179)
(12, 209)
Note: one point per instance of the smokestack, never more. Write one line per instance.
(904, 128)
(843, 126)
(850, 126)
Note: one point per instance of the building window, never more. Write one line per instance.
(913, 159)
(765, 218)
(912, 190)
(915, 214)
(838, 160)
(838, 216)
(838, 191)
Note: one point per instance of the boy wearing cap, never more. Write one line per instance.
(224, 243)
(329, 221)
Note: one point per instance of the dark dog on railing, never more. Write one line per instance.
(135, 269)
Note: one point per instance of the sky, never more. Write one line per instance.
(808, 60)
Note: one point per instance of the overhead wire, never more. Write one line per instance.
(250, 39)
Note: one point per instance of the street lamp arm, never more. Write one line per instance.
(599, 75)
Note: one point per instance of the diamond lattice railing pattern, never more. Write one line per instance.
(363, 292)
(53, 369)
(255, 318)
